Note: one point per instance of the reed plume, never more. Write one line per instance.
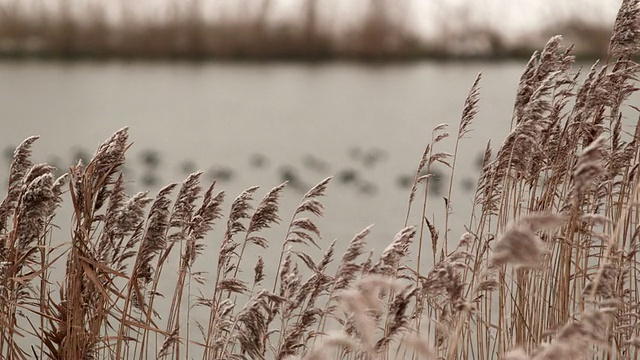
(545, 268)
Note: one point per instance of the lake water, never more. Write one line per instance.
(257, 124)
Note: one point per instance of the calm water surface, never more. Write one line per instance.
(260, 124)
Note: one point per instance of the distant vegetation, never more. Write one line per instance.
(547, 266)
(247, 30)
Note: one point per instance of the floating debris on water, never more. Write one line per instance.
(468, 184)
(7, 153)
(188, 167)
(223, 174)
(347, 176)
(80, 154)
(367, 188)
(258, 160)
(315, 163)
(405, 181)
(149, 179)
(150, 158)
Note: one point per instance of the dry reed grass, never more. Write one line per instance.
(547, 267)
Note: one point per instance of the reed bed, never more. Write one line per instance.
(546, 267)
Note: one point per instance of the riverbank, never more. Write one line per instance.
(380, 32)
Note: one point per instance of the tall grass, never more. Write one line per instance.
(546, 267)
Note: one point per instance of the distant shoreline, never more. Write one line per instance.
(520, 54)
(380, 34)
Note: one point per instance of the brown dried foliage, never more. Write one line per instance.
(546, 267)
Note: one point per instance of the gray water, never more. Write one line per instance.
(257, 124)
(254, 122)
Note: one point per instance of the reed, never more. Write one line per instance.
(545, 268)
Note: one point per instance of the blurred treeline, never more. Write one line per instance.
(269, 29)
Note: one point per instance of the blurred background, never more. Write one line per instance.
(257, 92)
(299, 29)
